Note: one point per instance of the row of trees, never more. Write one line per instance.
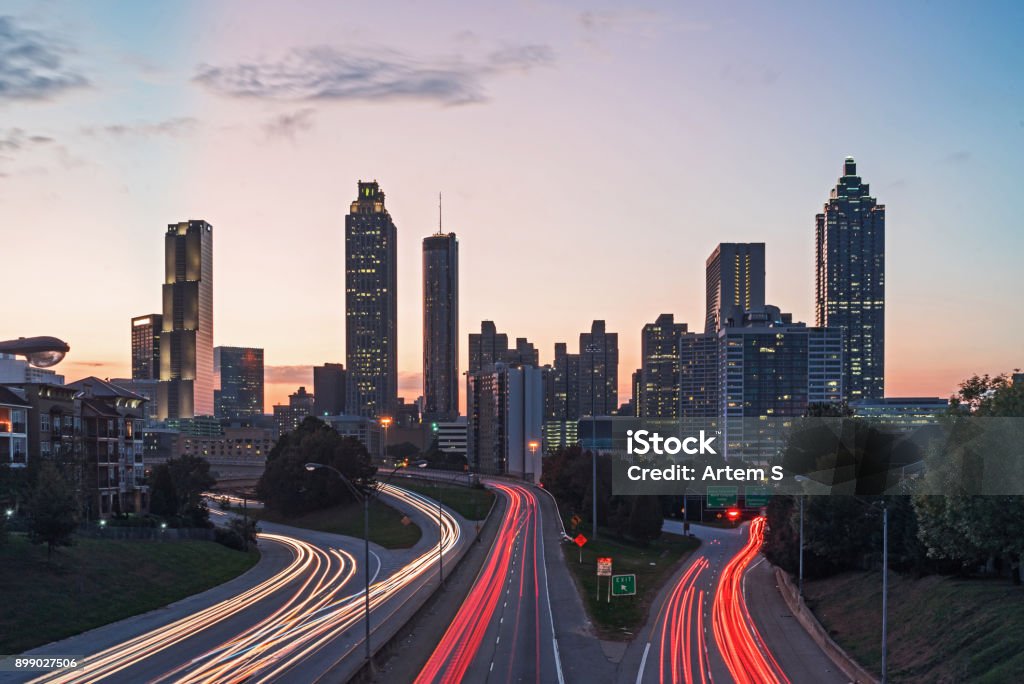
(568, 474)
(288, 488)
(959, 531)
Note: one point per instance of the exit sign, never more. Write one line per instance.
(623, 585)
(722, 497)
(756, 496)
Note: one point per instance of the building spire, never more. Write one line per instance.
(439, 231)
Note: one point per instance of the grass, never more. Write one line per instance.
(99, 581)
(472, 503)
(652, 565)
(941, 629)
(386, 526)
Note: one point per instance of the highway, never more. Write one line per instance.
(302, 621)
(505, 629)
(703, 629)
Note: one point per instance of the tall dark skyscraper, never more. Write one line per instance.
(440, 326)
(487, 347)
(146, 347)
(240, 372)
(186, 341)
(734, 276)
(599, 371)
(658, 393)
(850, 283)
(330, 385)
(371, 304)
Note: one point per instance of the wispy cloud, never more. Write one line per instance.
(288, 375)
(328, 73)
(168, 127)
(16, 139)
(32, 64)
(289, 125)
(958, 157)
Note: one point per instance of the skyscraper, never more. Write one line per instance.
(658, 393)
(599, 371)
(441, 326)
(240, 371)
(850, 282)
(371, 304)
(504, 409)
(186, 341)
(561, 398)
(146, 347)
(734, 275)
(487, 347)
(330, 383)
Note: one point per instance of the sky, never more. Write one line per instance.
(590, 155)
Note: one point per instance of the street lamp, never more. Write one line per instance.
(385, 422)
(366, 542)
(41, 352)
(440, 524)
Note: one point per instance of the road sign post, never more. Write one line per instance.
(623, 585)
(580, 540)
(604, 569)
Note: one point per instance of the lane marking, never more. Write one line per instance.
(643, 663)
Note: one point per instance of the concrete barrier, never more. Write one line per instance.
(850, 667)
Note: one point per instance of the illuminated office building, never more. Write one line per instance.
(734, 277)
(146, 346)
(441, 327)
(240, 373)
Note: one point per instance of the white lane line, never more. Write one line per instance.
(547, 592)
(643, 664)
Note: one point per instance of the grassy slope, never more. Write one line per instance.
(625, 614)
(99, 581)
(386, 527)
(941, 629)
(472, 503)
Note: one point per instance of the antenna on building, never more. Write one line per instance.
(439, 231)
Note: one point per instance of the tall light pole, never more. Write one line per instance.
(885, 590)
(385, 422)
(366, 545)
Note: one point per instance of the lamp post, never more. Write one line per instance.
(366, 544)
(41, 352)
(440, 528)
(385, 422)
(800, 580)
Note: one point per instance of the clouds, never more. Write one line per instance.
(288, 125)
(173, 127)
(16, 140)
(32, 65)
(289, 375)
(327, 73)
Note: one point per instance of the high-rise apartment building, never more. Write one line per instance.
(658, 393)
(487, 347)
(186, 340)
(441, 326)
(561, 399)
(770, 370)
(330, 385)
(146, 346)
(734, 276)
(850, 282)
(505, 407)
(240, 374)
(371, 304)
(288, 417)
(698, 377)
(599, 371)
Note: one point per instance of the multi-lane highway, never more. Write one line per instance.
(703, 629)
(505, 629)
(301, 622)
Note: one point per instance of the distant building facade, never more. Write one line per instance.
(658, 390)
(902, 413)
(441, 326)
(146, 346)
(599, 371)
(371, 304)
(330, 385)
(239, 371)
(850, 281)
(734, 277)
(13, 428)
(505, 410)
(186, 341)
(288, 417)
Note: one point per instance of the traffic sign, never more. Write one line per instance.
(576, 520)
(722, 497)
(580, 540)
(623, 585)
(604, 567)
(756, 496)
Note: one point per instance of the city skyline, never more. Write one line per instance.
(96, 162)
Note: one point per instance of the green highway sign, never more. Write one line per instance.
(623, 585)
(722, 497)
(756, 496)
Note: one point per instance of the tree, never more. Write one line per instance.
(287, 487)
(645, 518)
(53, 509)
(402, 450)
(177, 489)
